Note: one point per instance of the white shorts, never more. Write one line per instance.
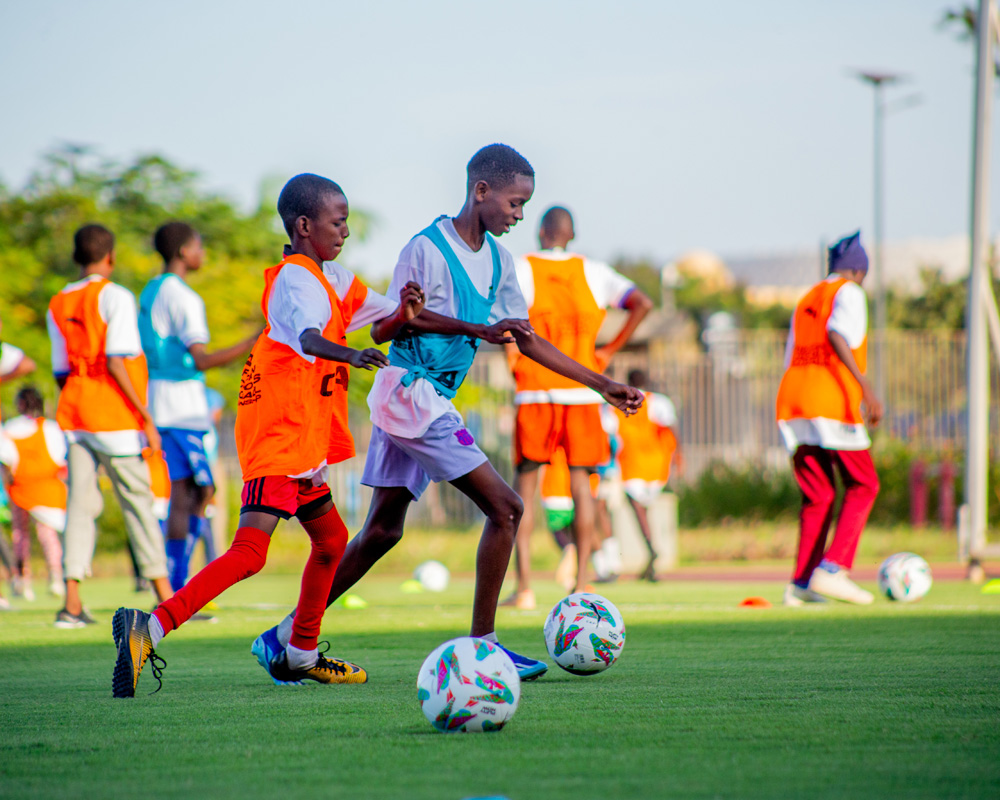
(445, 452)
(643, 492)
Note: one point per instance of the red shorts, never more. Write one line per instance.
(543, 427)
(284, 497)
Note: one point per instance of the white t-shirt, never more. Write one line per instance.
(660, 409)
(408, 411)
(849, 318)
(299, 302)
(609, 288)
(10, 358)
(116, 306)
(179, 311)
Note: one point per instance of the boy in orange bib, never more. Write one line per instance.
(33, 449)
(821, 421)
(290, 425)
(568, 297)
(98, 363)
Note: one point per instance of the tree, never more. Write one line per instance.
(75, 185)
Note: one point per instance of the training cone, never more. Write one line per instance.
(993, 587)
(755, 602)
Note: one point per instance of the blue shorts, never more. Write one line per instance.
(445, 452)
(184, 452)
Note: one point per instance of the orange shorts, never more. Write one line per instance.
(283, 497)
(541, 428)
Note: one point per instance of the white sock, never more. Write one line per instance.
(490, 637)
(600, 562)
(155, 630)
(301, 659)
(612, 555)
(285, 631)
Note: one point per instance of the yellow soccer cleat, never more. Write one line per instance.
(130, 629)
(325, 670)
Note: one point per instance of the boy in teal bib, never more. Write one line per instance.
(472, 295)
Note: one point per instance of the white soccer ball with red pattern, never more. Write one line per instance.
(468, 685)
(584, 633)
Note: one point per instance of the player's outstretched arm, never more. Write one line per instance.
(873, 406)
(411, 303)
(498, 333)
(315, 344)
(625, 398)
(219, 358)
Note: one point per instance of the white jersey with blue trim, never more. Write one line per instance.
(408, 411)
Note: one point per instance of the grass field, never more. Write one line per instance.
(707, 700)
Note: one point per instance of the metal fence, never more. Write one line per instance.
(725, 397)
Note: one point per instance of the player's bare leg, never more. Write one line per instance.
(503, 509)
(527, 486)
(642, 517)
(382, 531)
(583, 522)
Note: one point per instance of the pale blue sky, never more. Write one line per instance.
(663, 126)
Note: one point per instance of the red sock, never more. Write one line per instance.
(328, 535)
(245, 557)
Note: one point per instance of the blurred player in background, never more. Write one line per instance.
(99, 366)
(33, 451)
(649, 446)
(567, 297)
(13, 364)
(174, 335)
(819, 411)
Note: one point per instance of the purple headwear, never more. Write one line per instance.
(848, 254)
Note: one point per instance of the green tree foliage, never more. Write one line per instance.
(939, 304)
(74, 186)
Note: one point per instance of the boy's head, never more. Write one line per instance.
(314, 209)
(94, 246)
(500, 182)
(178, 241)
(556, 228)
(637, 378)
(848, 258)
(29, 402)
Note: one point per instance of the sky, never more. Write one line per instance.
(663, 126)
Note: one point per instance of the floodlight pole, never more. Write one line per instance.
(877, 81)
(974, 516)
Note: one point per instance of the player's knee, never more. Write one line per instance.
(383, 537)
(821, 499)
(508, 512)
(251, 560)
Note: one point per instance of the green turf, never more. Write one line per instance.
(708, 700)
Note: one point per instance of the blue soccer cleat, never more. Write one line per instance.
(528, 669)
(265, 647)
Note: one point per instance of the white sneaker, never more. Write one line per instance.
(57, 588)
(27, 592)
(840, 587)
(4, 604)
(796, 596)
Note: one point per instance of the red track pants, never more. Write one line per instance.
(814, 470)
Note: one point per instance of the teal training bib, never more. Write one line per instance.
(441, 359)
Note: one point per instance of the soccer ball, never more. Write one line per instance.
(584, 633)
(433, 576)
(905, 577)
(468, 685)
